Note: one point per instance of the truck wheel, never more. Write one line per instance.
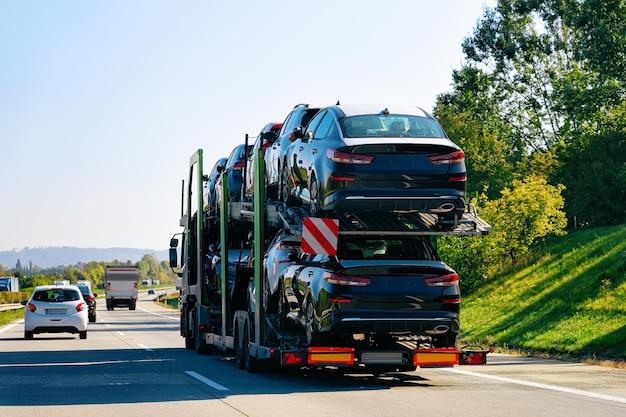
(83, 334)
(190, 341)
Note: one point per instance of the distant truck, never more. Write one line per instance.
(11, 284)
(121, 286)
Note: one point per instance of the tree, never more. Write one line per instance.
(529, 210)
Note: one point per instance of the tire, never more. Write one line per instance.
(28, 335)
(190, 341)
(251, 363)
(311, 328)
(282, 308)
(283, 185)
(83, 334)
(239, 349)
(92, 318)
(314, 191)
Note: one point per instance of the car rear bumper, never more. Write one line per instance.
(437, 201)
(429, 323)
(50, 324)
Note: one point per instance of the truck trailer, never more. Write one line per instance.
(121, 286)
(11, 284)
(223, 308)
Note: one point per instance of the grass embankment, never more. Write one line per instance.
(10, 316)
(568, 300)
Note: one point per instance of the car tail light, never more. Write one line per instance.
(91, 297)
(348, 158)
(448, 158)
(448, 280)
(238, 165)
(31, 307)
(457, 178)
(339, 279)
(81, 306)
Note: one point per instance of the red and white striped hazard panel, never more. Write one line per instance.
(319, 236)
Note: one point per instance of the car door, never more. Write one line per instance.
(310, 152)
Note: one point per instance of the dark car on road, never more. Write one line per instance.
(371, 157)
(292, 128)
(376, 288)
(90, 299)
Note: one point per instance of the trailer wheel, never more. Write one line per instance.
(239, 348)
(251, 363)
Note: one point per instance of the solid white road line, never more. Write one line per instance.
(207, 381)
(538, 385)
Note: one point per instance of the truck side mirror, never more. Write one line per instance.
(173, 243)
(173, 258)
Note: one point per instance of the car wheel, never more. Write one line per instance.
(311, 326)
(83, 334)
(269, 300)
(28, 334)
(282, 308)
(314, 190)
(284, 184)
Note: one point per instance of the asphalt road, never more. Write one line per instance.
(133, 364)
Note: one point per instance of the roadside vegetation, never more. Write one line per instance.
(564, 299)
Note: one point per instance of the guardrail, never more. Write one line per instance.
(7, 307)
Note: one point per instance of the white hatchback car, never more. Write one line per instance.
(56, 309)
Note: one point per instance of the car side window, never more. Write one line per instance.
(324, 127)
(286, 125)
(314, 123)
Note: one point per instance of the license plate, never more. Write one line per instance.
(56, 311)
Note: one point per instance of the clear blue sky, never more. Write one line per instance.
(103, 102)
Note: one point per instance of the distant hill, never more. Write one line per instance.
(65, 256)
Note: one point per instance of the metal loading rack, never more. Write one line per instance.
(409, 223)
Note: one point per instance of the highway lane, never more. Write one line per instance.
(133, 363)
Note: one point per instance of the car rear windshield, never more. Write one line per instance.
(56, 295)
(403, 247)
(392, 125)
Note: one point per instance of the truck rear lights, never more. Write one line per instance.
(448, 280)
(348, 158)
(448, 158)
(330, 356)
(292, 358)
(436, 357)
(339, 279)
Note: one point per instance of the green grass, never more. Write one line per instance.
(10, 316)
(568, 299)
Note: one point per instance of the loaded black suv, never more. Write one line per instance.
(90, 299)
